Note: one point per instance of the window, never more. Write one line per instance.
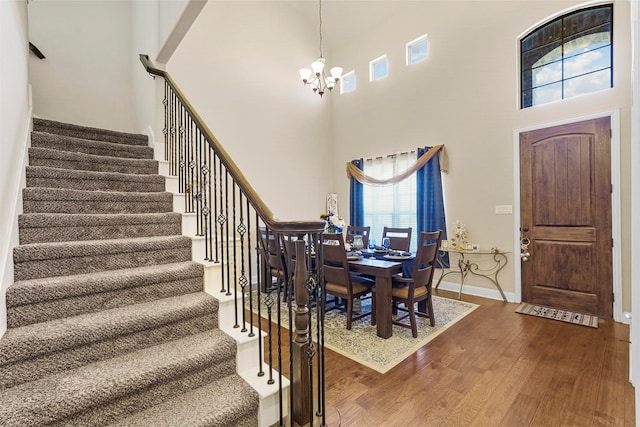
(417, 50)
(407, 194)
(569, 56)
(348, 82)
(378, 68)
(392, 205)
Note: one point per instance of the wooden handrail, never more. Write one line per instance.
(270, 220)
(33, 48)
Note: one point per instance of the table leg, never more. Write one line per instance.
(383, 307)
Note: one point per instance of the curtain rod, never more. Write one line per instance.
(390, 155)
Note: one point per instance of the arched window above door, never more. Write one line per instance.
(569, 56)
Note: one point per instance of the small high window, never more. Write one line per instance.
(569, 56)
(417, 50)
(348, 82)
(378, 68)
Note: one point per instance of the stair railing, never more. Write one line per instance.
(274, 294)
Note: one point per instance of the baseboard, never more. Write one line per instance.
(476, 291)
(10, 235)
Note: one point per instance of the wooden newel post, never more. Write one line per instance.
(300, 375)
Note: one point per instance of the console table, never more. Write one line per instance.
(466, 266)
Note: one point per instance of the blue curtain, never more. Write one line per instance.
(430, 199)
(356, 198)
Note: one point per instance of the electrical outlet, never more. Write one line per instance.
(504, 209)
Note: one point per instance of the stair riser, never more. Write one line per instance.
(49, 310)
(92, 232)
(37, 367)
(94, 147)
(90, 264)
(86, 163)
(139, 400)
(96, 185)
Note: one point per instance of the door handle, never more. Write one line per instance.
(524, 249)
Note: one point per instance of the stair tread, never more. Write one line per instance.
(68, 220)
(49, 153)
(44, 251)
(90, 146)
(67, 393)
(42, 338)
(47, 193)
(51, 288)
(58, 173)
(52, 126)
(196, 407)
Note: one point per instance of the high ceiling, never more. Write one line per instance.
(346, 19)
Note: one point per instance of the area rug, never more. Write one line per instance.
(364, 346)
(555, 314)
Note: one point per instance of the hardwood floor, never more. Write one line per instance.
(493, 368)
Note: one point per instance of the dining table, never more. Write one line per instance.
(382, 270)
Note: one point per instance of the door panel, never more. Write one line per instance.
(565, 193)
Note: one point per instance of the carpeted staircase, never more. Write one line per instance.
(108, 323)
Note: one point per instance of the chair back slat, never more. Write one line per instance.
(352, 230)
(336, 268)
(424, 263)
(400, 237)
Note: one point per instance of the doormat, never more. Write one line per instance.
(555, 314)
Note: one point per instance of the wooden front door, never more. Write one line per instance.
(565, 197)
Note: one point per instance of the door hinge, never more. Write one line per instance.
(613, 296)
(611, 242)
(610, 133)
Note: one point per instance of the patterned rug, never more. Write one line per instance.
(555, 314)
(364, 346)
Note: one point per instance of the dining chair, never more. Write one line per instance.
(338, 281)
(400, 237)
(274, 260)
(352, 230)
(417, 288)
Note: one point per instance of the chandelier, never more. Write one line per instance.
(316, 77)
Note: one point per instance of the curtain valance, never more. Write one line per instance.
(360, 176)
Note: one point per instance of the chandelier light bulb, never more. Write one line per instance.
(318, 66)
(305, 74)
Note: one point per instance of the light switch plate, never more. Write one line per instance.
(504, 209)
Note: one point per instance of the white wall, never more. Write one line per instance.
(238, 67)
(86, 76)
(14, 134)
(145, 30)
(175, 18)
(466, 96)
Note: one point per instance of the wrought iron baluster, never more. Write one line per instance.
(242, 229)
(226, 231)
(260, 255)
(209, 181)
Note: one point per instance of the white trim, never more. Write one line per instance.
(346, 76)
(411, 44)
(11, 235)
(634, 330)
(614, 116)
(372, 65)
